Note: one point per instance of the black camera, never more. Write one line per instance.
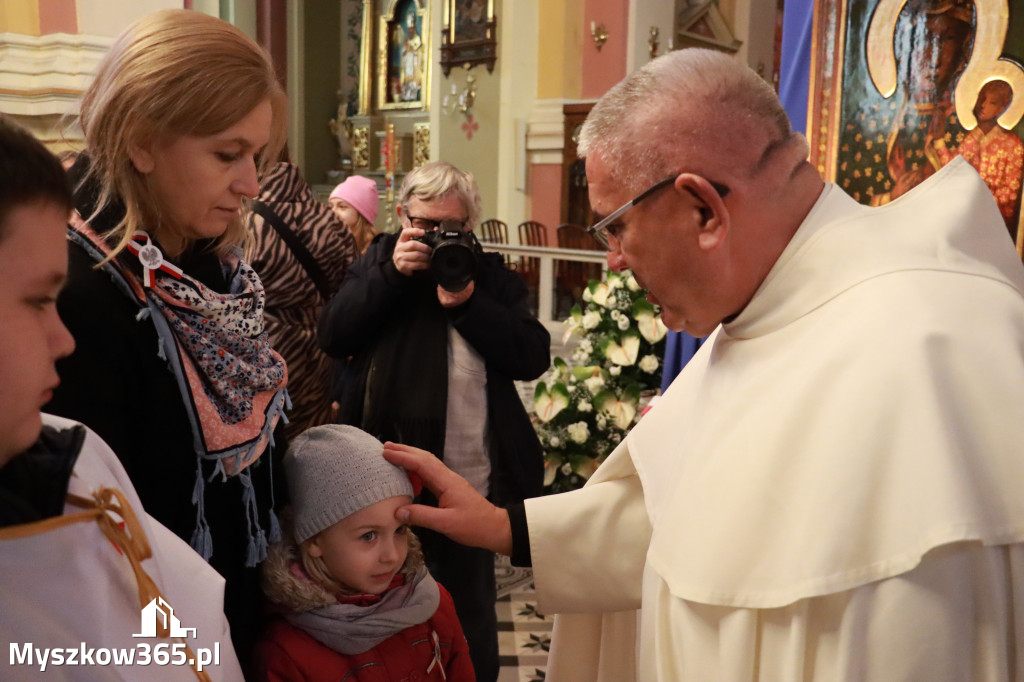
(453, 261)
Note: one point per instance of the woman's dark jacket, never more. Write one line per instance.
(116, 383)
(394, 333)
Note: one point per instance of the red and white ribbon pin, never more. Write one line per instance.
(152, 258)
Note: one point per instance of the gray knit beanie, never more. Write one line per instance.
(334, 471)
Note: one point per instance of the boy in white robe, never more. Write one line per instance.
(91, 587)
(830, 490)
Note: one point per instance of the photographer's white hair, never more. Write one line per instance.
(677, 105)
(439, 179)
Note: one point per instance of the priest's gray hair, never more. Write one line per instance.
(692, 105)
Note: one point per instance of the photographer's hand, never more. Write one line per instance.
(410, 255)
(450, 299)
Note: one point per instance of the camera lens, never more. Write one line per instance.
(453, 265)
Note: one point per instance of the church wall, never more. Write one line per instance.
(518, 47)
(559, 69)
(753, 22)
(58, 16)
(605, 67)
(471, 142)
(110, 17)
(19, 16)
(322, 30)
(560, 49)
(643, 15)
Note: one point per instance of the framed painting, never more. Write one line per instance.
(403, 56)
(901, 87)
(468, 37)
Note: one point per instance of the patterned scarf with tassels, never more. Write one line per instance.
(231, 381)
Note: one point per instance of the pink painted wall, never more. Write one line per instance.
(546, 196)
(603, 69)
(58, 16)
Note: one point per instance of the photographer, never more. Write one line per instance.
(433, 368)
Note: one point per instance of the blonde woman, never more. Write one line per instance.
(171, 366)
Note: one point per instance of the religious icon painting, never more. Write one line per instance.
(468, 36)
(901, 87)
(404, 56)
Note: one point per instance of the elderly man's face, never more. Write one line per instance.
(656, 240)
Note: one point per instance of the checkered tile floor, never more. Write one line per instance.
(524, 634)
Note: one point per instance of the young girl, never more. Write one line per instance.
(355, 203)
(357, 601)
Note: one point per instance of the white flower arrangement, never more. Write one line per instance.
(594, 384)
(649, 363)
(579, 432)
(584, 407)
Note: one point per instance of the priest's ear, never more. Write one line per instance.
(713, 216)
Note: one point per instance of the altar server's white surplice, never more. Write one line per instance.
(71, 588)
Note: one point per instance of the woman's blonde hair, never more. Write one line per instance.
(172, 73)
(364, 231)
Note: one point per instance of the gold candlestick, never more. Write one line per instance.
(389, 173)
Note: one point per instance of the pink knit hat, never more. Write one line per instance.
(360, 193)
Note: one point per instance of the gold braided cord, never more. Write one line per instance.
(126, 535)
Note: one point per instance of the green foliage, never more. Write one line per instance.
(583, 409)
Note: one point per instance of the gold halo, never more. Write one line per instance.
(992, 17)
(881, 54)
(984, 65)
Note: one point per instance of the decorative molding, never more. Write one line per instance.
(420, 144)
(361, 147)
(46, 75)
(704, 26)
(545, 132)
(366, 59)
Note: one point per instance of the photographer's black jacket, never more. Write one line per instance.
(393, 332)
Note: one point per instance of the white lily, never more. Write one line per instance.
(651, 327)
(621, 412)
(625, 352)
(548, 403)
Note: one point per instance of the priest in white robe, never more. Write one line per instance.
(831, 488)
